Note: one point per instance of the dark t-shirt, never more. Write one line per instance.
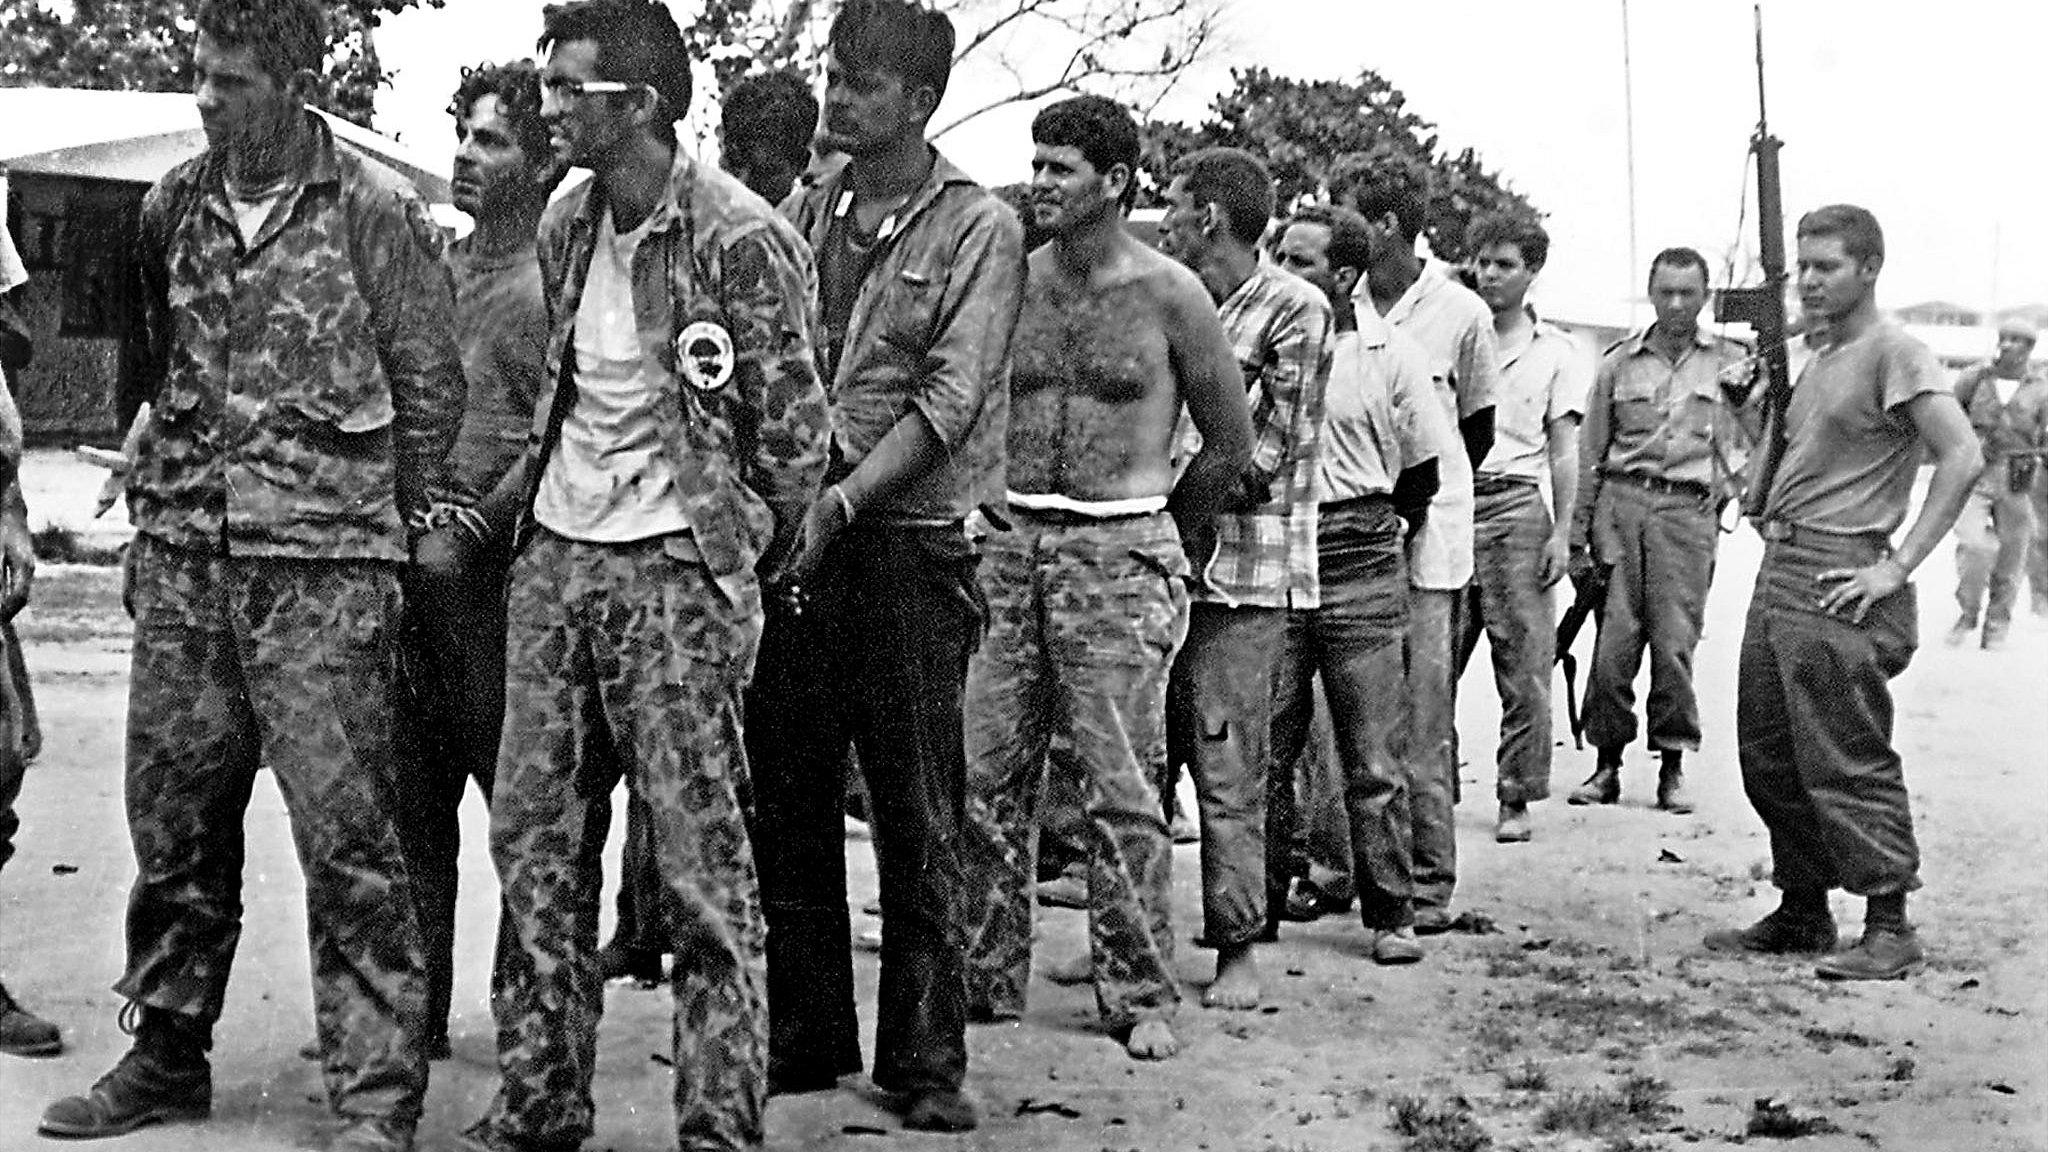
(843, 267)
(504, 332)
(1851, 449)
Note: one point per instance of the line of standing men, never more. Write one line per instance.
(695, 532)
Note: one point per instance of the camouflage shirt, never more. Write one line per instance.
(930, 331)
(307, 384)
(724, 294)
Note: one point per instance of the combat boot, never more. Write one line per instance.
(164, 1078)
(1604, 785)
(1884, 953)
(1671, 795)
(23, 1033)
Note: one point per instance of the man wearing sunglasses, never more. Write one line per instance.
(679, 435)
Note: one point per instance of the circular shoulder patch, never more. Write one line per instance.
(705, 356)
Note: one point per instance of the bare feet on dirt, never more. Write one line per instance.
(1152, 1040)
(1237, 980)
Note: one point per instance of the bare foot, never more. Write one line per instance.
(1237, 980)
(1073, 970)
(1151, 1040)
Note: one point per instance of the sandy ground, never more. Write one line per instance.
(1594, 973)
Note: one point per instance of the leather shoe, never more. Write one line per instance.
(1602, 787)
(1777, 935)
(137, 1093)
(23, 1033)
(1396, 946)
(1882, 954)
(940, 1110)
(1432, 921)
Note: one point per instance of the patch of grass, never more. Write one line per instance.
(1826, 1039)
(1901, 1070)
(57, 544)
(1433, 1126)
(1775, 1121)
(1640, 1102)
(1580, 1019)
(1530, 1077)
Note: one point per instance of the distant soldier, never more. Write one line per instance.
(22, 1033)
(679, 434)
(1662, 452)
(1833, 618)
(1519, 542)
(2007, 402)
(1086, 576)
(307, 389)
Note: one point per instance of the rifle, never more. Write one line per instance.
(1762, 307)
(1588, 600)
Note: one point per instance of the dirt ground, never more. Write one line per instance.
(1587, 1018)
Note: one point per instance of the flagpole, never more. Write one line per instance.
(1628, 90)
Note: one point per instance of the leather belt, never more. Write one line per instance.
(1689, 488)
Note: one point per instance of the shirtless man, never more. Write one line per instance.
(1085, 571)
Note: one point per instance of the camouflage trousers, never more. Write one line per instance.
(286, 664)
(1084, 619)
(664, 651)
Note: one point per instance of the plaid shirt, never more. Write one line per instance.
(1266, 556)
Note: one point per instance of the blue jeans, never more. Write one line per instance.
(875, 665)
(1354, 643)
(1508, 601)
(1219, 705)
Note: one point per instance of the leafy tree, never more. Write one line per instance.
(146, 45)
(1133, 49)
(1320, 136)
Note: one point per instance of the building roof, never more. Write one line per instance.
(136, 137)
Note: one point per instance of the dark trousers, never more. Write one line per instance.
(1813, 717)
(19, 737)
(454, 664)
(1353, 641)
(875, 662)
(1661, 545)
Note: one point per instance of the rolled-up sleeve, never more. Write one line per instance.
(970, 348)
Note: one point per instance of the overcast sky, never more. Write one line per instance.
(1917, 111)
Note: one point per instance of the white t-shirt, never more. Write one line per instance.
(608, 480)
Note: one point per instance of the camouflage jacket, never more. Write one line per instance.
(930, 331)
(726, 301)
(308, 384)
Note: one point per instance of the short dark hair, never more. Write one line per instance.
(517, 87)
(1236, 180)
(286, 36)
(637, 43)
(1350, 236)
(897, 36)
(1855, 227)
(1373, 193)
(1102, 129)
(1681, 257)
(1520, 229)
(771, 109)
